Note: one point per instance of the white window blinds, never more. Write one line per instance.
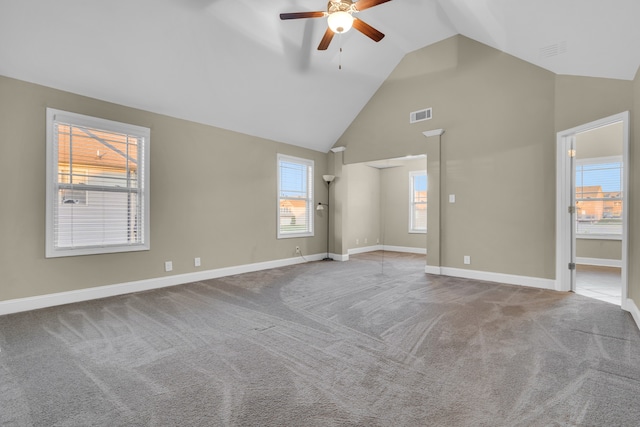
(295, 197)
(98, 193)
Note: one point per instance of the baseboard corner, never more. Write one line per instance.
(630, 306)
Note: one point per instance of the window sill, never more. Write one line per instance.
(94, 250)
(294, 236)
(599, 236)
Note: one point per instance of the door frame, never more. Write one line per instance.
(565, 240)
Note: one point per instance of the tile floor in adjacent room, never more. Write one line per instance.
(601, 283)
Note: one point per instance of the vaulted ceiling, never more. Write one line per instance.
(234, 64)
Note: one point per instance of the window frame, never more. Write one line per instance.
(413, 203)
(310, 168)
(596, 161)
(54, 117)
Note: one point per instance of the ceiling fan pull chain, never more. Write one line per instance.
(340, 53)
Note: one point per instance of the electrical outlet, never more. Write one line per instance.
(196, 262)
(365, 240)
(377, 240)
(357, 241)
(168, 266)
(297, 249)
(467, 259)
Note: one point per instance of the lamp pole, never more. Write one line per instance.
(321, 207)
(327, 179)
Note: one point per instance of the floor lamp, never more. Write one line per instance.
(327, 179)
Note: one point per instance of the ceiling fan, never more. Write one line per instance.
(340, 19)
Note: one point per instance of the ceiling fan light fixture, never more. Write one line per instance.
(340, 22)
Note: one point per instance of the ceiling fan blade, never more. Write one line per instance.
(367, 30)
(298, 15)
(361, 5)
(326, 39)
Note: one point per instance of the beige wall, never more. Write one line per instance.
(378, 205)
(395, 206)
(363, 200)
(213, 195)
(501, 116)
(338, 204)
(497, 156)
(497, 153)
(599, 249)
(434, 202)
(581, 100)
(604, 141)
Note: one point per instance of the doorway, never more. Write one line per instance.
(386, 205)
(377, 213)
(592, 209)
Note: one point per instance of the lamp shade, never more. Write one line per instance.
(328, 178)
(340, 22)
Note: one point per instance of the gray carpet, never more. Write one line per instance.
(370, 342)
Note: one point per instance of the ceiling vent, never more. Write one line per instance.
(420, 115)
(553, 50)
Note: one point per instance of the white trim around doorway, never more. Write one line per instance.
(564, 197)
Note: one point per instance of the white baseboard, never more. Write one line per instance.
(630, 306)
(340, 257)
(50, 300)
(600, 262)
(364, 249)
(405, 249)
(511, 279)
(433, 269)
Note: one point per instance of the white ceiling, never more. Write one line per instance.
(234, 64)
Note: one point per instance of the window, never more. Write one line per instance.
(599, 197)
(97, 185)
(418, 202)
(295, 197)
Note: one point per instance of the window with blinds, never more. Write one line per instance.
(418, 202)
(97, 185)
(599, 197)
(295, 197)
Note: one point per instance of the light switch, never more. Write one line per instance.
(452, 198)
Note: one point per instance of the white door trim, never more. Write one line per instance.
(564, 198)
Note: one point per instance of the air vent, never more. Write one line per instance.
(553, 50)
(420, 115)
